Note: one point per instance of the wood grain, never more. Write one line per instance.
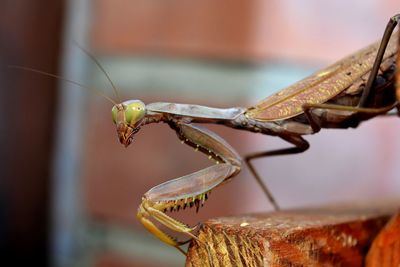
(313, 237)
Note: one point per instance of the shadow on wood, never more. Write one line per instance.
(333, 236)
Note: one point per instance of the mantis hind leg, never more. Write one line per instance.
(301, 145)
(369, 90)
(398, 78)
(314, 119)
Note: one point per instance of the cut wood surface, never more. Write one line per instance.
(333, 236)
(385, 250)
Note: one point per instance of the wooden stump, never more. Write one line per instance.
(315, 237)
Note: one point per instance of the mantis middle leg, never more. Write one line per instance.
(300, 145)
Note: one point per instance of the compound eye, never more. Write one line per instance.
(129, 113)
(114, 111)
(134, 112)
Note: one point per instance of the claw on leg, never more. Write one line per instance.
(190, 190)
(149, 225)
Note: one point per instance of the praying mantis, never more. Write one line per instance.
(354, 89)
(336, 97)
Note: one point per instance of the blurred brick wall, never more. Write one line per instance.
(202, 28)
(252, 30)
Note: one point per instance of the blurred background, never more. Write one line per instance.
(69, 190)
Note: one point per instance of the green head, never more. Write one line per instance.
(128, 117)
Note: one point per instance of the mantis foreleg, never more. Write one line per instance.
(190, 190)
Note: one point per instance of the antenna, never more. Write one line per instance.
(100, 67)
(64, 79)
